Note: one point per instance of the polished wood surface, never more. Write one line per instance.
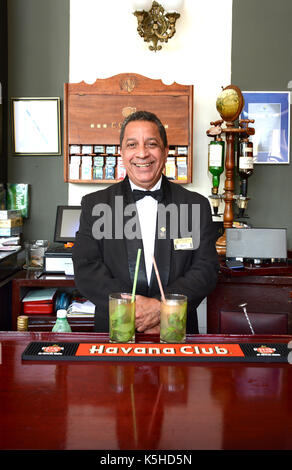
(139, 405)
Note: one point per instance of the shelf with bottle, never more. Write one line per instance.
(95, 163)
(176, 166)
(103, 164)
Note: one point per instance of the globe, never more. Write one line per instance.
(229, 103)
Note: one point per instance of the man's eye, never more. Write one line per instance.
(152, 144)
(131, 145)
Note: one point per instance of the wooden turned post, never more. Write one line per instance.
(228, 188)
(229, 181)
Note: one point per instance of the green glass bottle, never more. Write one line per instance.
(216, 161)
(61, 325)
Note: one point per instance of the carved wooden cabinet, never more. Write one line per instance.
(93, 115)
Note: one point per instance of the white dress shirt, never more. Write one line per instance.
(147, 213)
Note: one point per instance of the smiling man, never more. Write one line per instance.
(103, 265)
(144, 151)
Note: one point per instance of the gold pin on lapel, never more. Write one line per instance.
(162, 231)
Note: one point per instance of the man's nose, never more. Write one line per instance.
(142, 151)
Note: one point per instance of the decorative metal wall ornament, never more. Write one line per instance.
(156, 26)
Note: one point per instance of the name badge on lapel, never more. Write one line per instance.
(183, 243)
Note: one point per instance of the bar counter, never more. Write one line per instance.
(66, 405)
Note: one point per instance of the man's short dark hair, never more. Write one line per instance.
(144, 116)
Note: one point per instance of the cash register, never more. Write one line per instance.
(58, 257)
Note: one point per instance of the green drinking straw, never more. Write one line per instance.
(136, 274)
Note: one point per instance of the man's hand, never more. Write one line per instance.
(155, 330)
(147, 314)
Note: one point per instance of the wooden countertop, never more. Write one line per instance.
(142, 405)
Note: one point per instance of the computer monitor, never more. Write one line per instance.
(256, 243)
(67, 223)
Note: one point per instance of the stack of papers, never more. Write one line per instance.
(9, 243)
(81, 309)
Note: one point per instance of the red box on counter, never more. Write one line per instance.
(40, 307)
(39, 301)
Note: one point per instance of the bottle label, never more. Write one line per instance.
(215, 155)
(246, 163)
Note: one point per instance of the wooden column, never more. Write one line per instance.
(229, 181)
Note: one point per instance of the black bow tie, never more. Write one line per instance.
(137, 194)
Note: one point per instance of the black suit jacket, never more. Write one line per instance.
(107, 265)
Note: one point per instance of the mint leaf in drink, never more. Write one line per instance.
(173, 330)
(124, 332)
(122, 323)
(174, 318)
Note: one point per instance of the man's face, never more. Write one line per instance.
(143, 153)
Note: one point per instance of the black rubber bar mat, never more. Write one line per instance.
(193, 352)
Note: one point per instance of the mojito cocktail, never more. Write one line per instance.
(173, 318)
(121, 318)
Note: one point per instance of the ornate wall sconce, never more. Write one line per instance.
(156, 25)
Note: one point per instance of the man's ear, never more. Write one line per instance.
(166, 153)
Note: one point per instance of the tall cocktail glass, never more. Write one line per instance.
(173, 318)
(121, 318)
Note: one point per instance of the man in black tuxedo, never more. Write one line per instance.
(172, 223)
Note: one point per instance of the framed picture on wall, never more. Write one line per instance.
(36, 126)
(271, 113)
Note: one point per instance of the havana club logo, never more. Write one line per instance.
(265, 350)
(54, 349)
